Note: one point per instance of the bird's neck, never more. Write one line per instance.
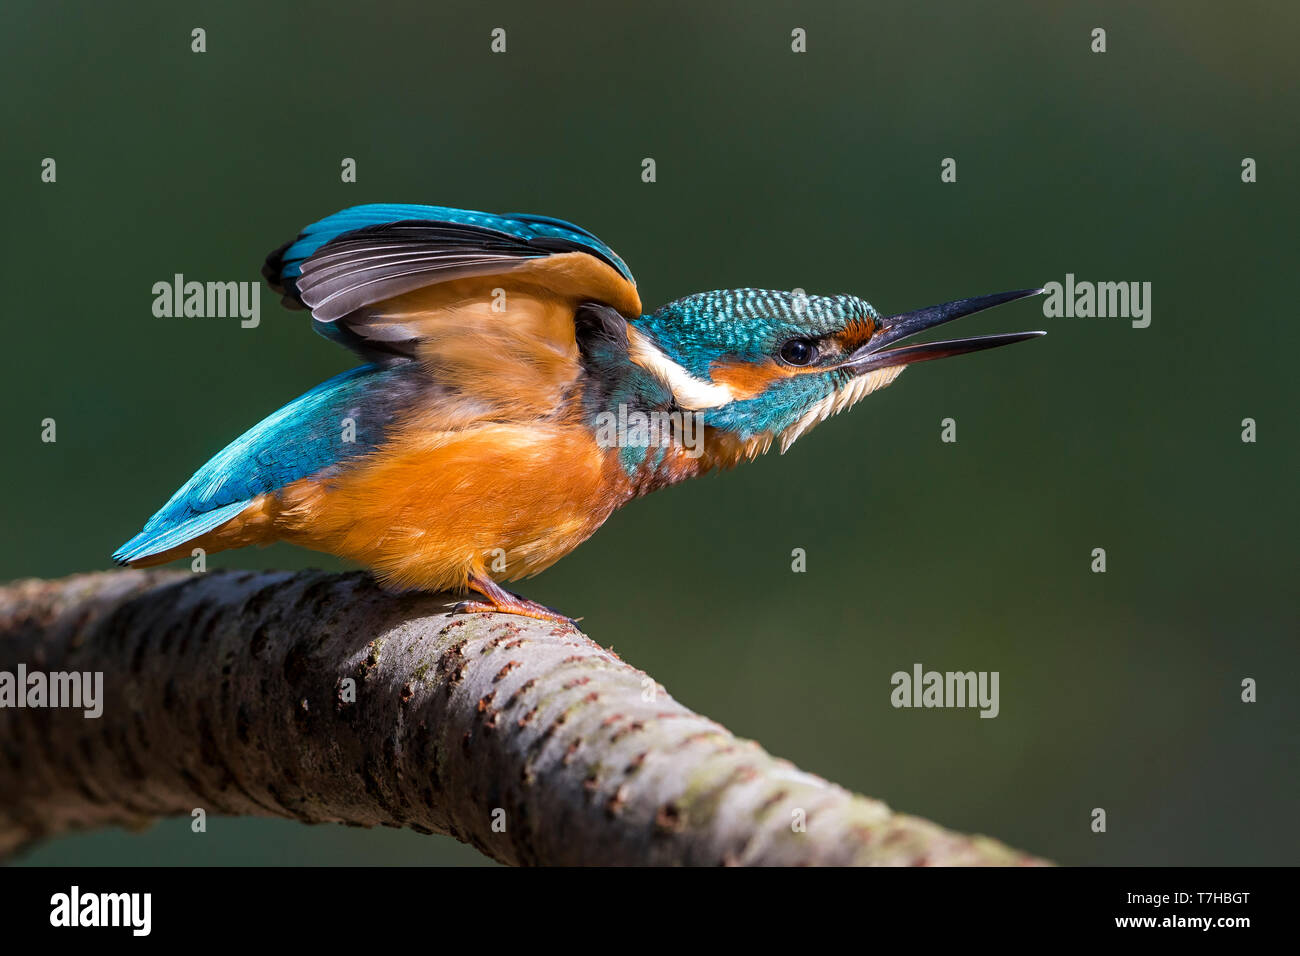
(650, 439)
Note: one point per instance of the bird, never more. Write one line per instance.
(500, 414)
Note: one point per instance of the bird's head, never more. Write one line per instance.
(764, 366)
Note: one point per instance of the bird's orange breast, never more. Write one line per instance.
(499, 500)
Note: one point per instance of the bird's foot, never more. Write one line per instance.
(522, 607)
(501, 601)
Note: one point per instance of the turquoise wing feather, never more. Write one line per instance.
(519, 234)
(346, 263)
(302, 438)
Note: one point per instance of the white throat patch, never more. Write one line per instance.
(691, 393)
(857, 389)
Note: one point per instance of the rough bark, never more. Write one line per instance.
(229, 691)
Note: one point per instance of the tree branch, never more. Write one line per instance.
(230, 692)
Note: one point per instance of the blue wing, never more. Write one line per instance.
(452, 238)
(348, 262)
(301, 439)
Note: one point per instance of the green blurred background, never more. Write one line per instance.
(775, 169)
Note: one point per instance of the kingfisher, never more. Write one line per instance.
(506, 403)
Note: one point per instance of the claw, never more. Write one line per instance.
(501, 601)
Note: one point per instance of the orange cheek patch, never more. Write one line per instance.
(747, 379)
(855, 335)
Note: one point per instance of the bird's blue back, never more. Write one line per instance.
(302, 438)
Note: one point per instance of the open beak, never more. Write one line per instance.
(877, 353)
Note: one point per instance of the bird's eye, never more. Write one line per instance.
(798, 352)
